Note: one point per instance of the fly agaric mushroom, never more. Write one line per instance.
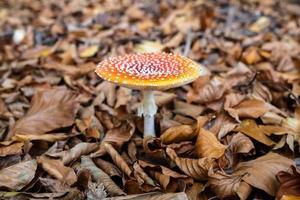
(148, 72)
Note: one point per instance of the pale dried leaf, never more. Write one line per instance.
(18, 176)
(153, 196)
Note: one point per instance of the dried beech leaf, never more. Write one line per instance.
(123, 97)
(251, 108)
(75, 152)
(261, 172)
(195, 168)
(18, 176)
(188, 109)
(207, 145)
(57, 169)
(54, 185)
(212, 91)
(195, 190)
(49, 110)
(44, 137)
(108, 168)
(89, 51)
(250, 128)
(119, 135)
(289, 183)
(11, 149)
(241, 144)
(118, 160)
(101, 177)
(178, 134)
(290, 197)
(229, 186)
(152, 196)
(138, 171)
(162, 98)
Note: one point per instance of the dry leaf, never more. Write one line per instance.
(76, 152)
(178, 134)
(188, 109)
(141, 175)
(261, 172)
(195, 168)
(251, 55)
(241, 144)
(118, 160)
(101, 177)
(11, 149)
(89, 51)
(57, 169)
(162, 98)
(289, 183)
(108, 168)
(228, 186)
(153, 196)
(262, 23)
(148, 47)
(123, 97)
(44, 137)
(207, 145)
(120, 135)
(18, 176)
(250, 128)
(49, 110)
(250, 108)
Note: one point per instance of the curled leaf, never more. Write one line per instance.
(11, 149)
(101, 177)
(118, 160)
(75, 152)
(178, 134)
(207, 145)
(57, 169)
(195, 168)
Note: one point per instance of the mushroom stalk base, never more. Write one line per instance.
(149, 110)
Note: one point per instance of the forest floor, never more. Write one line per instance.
(67, 134)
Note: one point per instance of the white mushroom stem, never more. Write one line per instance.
(149, 111)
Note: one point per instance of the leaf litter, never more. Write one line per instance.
(67, 134)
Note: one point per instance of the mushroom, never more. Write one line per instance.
(148, 72)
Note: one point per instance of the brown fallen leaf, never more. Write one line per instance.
(147, 46)
(195, 168)
(44, 137)
(152, 196)
(49, 110)
(108, 168)
(18, 176)
(188, 109)
(101, 177)
(226, 186)
(178, 134)
(214, 90)
(240, 144)
(289, 183)
(118, 160)
(290, 197)
(251, 55)
(262, 23)
(261, 172)
(250, 128)
(89, 51)
(57, 169)
(74, 153)
(53, 185)
(123, 97)
(250, 108)
(162, 98)
(120, 135)
(207, 145)
(12, 149)
(194, 191)
(139, 172)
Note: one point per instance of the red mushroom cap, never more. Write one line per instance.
(152, 71)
